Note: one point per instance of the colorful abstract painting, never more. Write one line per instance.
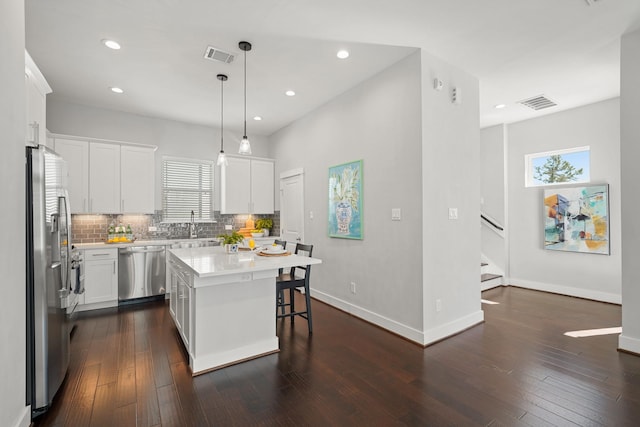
(576, 219)
(345, 200)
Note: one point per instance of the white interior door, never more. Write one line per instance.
(292, 207)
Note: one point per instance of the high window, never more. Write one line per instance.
(558, 167)
(187, 185)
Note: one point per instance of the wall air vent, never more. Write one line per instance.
(215, 54)
(539, 102)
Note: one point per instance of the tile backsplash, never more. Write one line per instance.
(92, 228)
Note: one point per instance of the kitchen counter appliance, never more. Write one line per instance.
(48, 276)
(141, 272)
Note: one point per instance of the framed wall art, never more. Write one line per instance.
(576, 219)
(345, 200)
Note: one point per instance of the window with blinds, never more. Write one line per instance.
(187, 185)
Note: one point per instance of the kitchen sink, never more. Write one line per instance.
(194, 244)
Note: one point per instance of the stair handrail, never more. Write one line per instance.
(491, 222)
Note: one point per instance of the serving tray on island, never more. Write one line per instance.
(285, 253)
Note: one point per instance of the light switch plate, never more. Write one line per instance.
(152, 228)
(228, 227)
(453, 213)
(396, 214)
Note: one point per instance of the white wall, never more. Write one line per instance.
(585, 275)
(381, 121)
(13, 411)
(630, 176)
(492, 193)
(172, 138)
(378, 122)
(450, 171)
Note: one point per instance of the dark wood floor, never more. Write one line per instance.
(129, 369)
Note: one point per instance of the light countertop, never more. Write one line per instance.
(165, 242)
(213, 261)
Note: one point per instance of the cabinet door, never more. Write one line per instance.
(104, 178)
(173, 290)
(262, 177)
(37, 89)
(235, 186)
(137, 166)
(101, 281)
(186, 315)
(76, 154)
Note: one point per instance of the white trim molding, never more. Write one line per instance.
(565, 290)
(628, 344)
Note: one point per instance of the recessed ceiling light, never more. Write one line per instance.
(111, 44)
(342, 54)
(290, 93)
(500, 106)
(116, 90)
(257, 118)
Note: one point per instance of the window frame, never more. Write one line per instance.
(529, 168)
(200, 190)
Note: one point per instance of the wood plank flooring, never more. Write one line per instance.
(129, 368)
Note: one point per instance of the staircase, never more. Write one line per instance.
(489, 277)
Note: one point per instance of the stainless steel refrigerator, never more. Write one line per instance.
(48, 275)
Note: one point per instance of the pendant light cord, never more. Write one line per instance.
(221, 115)
(245, 93)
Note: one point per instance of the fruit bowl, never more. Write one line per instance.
(257, 234)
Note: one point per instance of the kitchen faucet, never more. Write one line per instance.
(192, 226)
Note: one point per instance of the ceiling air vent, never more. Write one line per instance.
(538, 102)
(215, 54)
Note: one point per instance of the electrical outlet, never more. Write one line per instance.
(228, 227)
(453, 213)
(353, 287)
(438, 305)
(152, 228)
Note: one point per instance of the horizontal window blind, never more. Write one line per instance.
(187, 185)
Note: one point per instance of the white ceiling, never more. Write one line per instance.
(563, 49)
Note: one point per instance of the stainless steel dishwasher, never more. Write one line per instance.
(141, 272)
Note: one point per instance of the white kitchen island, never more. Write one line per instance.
(224, 304)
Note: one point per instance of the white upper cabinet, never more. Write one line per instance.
(137, 166)
(262, 177)
(104, 178)
(107, 177)
(246, 186)
(76, 154)
(37, 90)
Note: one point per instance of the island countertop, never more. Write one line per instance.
(214, 261)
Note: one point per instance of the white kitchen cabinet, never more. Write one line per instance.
(246, 186)
(108, 177)
(104, 178)
(101, 276)
(181, 300)
(137, 179)
(37, 89)
(76, 154)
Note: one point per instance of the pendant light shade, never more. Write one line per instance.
(245, 146)
(222, 158)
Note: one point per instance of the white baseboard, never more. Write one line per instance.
(565, 290)
(443, 331)
(24, 420)
(405, 331)
(384, 322)
(629, 344)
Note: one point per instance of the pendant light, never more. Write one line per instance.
(222, 159)
(245, 146)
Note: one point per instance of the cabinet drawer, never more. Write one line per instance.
(99, 254)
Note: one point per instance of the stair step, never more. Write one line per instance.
(489, 276)
(482, 264)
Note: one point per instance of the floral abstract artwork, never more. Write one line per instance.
(345, 200)
(577, 219)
